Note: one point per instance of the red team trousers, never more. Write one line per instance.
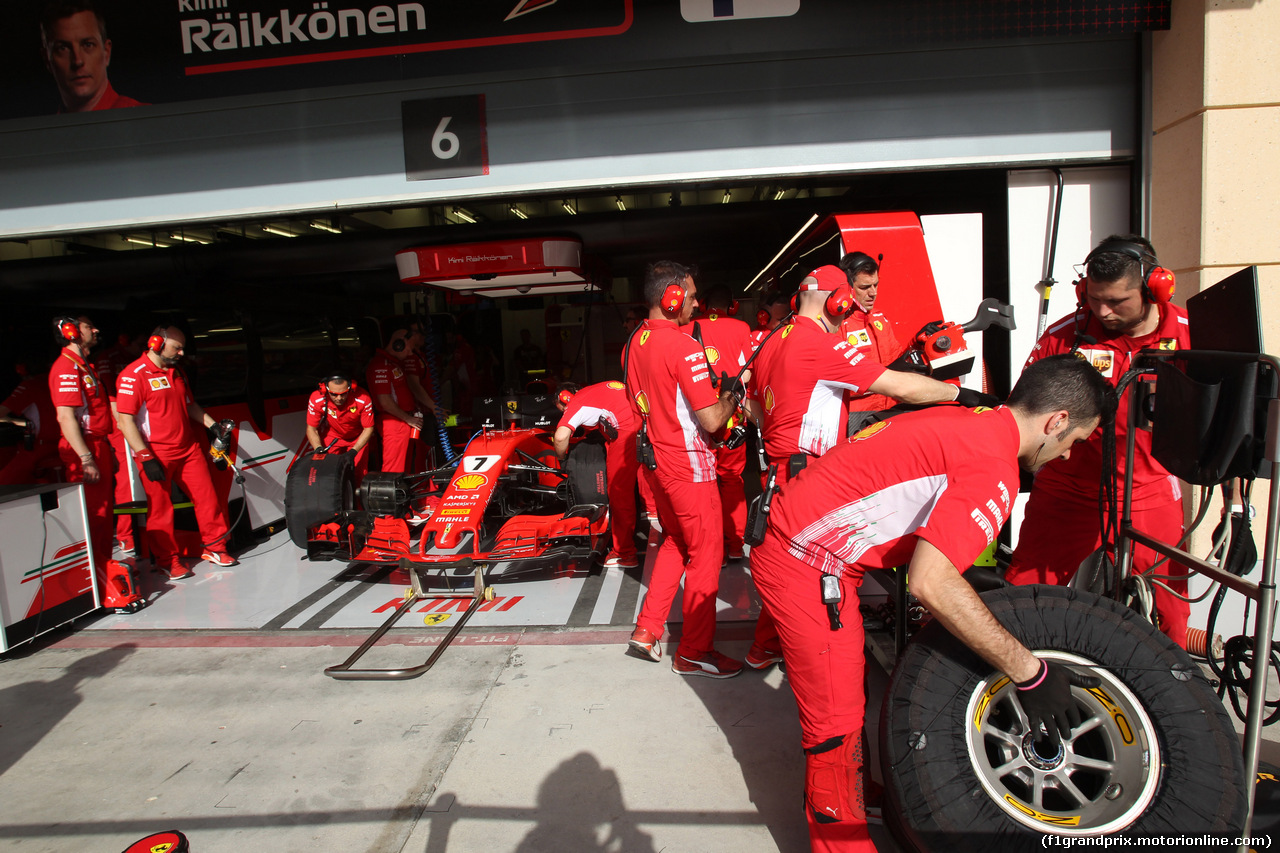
(825, 669)
(733, 498)
(97, 497)
(692, 547)
(622, 469)
(186, 467)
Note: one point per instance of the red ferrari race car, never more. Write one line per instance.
(506, 506)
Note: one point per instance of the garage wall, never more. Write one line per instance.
(1004, 103)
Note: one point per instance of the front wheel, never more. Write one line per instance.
(1155, 753)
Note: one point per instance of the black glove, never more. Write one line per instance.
(973, 399)
(607, 429)
(732, 385)
(1242, 554)
(318, 451)
(928, 329)
(153, 469)
(1047, 701)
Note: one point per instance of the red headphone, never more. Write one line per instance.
(1158, 283)
(69, 328)
(156, 342)
(839, 301)
(763, 316)
(563, 396)
(673, 298)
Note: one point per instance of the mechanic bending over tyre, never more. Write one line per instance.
(605, 408)
(340, 420)
(156, 413)
(726, 341)
(669, 384)
(929, 489)
(796, 394)
(1123, 307)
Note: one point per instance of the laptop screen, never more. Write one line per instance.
(1226, 317)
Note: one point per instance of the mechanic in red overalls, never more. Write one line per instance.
(84, 418)
(866, 329)
(797, 388)
(1124, 308)
(727, 342)
(670, 387)
(929, 489)
(393, 401)
(29, 406)
(606, 406)
(157, 414)
(422, 387)
(340, 420)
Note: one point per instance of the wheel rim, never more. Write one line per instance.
(1104, 775)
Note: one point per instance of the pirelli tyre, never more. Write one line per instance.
(1155, 753)
(316, 490)
(585, 475)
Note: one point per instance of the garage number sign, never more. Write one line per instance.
(444, 137)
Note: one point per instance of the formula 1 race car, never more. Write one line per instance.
(506, 502)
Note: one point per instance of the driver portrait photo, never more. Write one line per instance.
(77, 53)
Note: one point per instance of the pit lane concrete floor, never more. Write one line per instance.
(208, 712)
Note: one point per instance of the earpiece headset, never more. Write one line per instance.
(336, 377)
(68, 328)
(564, 396)
(1158, 283)
(399, 344)
(733, 308)
(838, 303)
(763, 316)
(673, 298)
(158, 339)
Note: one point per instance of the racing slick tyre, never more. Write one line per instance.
(1155, 753)
(315, 491)
(584, 469)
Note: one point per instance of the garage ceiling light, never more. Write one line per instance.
(278, 231)
(568, 208)
(321, 225)
(141, 241)
(618, 201)
(520, 214)
(728, 196)
(464, 215)
(803, 229)
(187, 238)
(779, 194)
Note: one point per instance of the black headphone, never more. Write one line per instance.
(1158, 283)
(336, 377)
(68, 328)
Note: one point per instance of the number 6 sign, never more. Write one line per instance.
(444, 138)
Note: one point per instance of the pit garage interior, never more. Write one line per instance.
(265, 202)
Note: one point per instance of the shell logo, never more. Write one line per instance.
(470, 482)
(615, 385)
(642, 400)
(769, 399)
(713, 354)
(644, 337)
(867, 432)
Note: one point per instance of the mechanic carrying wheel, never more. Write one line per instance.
(156, 414)
(340, 420)
(930, 489)
(795, 395)
(1123, 307)
(605, 406)
(669, 384)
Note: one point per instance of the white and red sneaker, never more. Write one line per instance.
(758, 657)
(219, 558)
(644, 643)
(613, 561)
(712, 665)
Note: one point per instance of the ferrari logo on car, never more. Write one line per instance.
(470, 482)
(512, 406)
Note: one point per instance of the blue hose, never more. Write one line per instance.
(429, 352)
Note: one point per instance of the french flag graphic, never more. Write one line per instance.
(736, 10)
